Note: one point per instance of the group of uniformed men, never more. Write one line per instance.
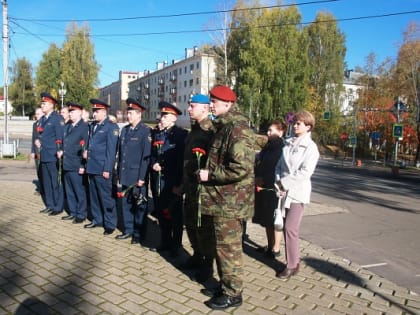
(202, 179)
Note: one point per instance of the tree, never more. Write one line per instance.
(21, 92)
(79, 69)
(326, 52)
(49, 71)
(407, 75)
(267, 53)
(220, 40)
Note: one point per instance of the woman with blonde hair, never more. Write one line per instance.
(293, 177)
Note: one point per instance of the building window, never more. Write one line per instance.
(185, 83)
(180, 71)
(185, 70)
(185, 98)
(191, 67)
(198, 64)
(197, 81)
(191, 82)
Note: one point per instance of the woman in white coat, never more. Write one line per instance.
(293, 177)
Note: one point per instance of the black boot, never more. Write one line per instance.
(224, 301)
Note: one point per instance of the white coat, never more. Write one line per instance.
(296, 166)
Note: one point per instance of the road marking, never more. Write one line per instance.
(374, 265)
(335, 249)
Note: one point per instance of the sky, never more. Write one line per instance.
(133, 35)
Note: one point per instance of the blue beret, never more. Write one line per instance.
(97, 104)
(200, 98)
(48, 98)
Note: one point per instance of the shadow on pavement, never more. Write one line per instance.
(31, 306)
(250, 249)
(347, 184)
(344, 275)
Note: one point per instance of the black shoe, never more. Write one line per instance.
(123, 236)
(55, 212)
(212, 292)
(46, 210)
(272, 254)
(91, 225)
(135, 240)
(224, 301)
(78, 220)
(108, 231)
(67, 217)
(161, 249)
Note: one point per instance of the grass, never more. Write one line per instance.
(19, 157)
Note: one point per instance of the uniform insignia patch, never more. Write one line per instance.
(62, 123)
(116, 132)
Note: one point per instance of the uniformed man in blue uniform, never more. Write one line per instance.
(50, 140)
(133, 165)
(100, 157)
(76, 134)
(167, 167)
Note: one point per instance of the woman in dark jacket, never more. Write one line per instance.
(266, 199)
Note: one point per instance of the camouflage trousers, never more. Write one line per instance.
(228, 233)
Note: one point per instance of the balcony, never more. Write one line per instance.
(161, 81)
(173, 91)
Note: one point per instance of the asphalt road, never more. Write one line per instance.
(380, 225)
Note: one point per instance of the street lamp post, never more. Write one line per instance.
(351, 101)
(62, 92)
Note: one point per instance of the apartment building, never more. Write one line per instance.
(175, 83)
(116, 93)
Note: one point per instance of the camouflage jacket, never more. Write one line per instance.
(199, 137)
(229, 191)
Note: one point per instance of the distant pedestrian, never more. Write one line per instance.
(101, 154)
(293, 177)
(167, 167)
(228, 193)
(133, 167)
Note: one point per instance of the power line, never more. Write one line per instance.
(240, 27)
(170, 15)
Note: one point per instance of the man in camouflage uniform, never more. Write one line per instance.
(197, 226)
(228, 193)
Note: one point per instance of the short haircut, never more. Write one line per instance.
(306, 117)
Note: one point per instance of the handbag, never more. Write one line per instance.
(280, 213)
(278, 220)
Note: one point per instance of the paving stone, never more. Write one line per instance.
(83, 272)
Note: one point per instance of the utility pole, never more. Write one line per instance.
(5, 70)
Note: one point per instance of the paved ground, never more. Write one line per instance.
(49, 266)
